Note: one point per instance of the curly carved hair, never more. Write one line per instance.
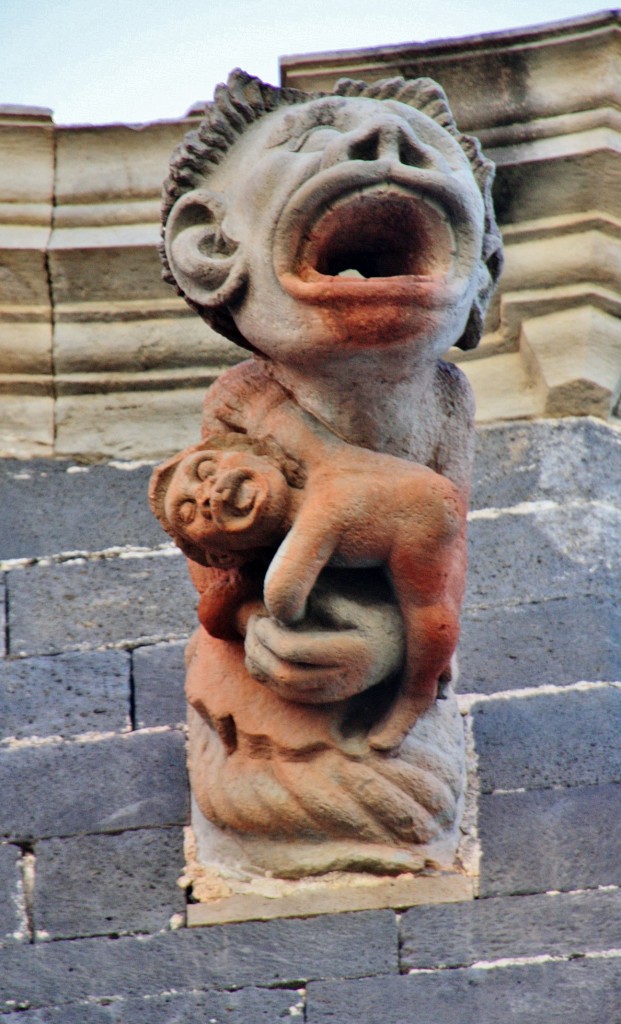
(244, 99)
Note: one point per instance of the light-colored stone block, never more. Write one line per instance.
(339, 893)
(127, 424)
(120, 336)
(26, 425)
(575, 358)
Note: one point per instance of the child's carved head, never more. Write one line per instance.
(223, 499)
(299, 225)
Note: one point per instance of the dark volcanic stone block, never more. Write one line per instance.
(10, 882)
(3, 614)
(559, 641)
(460, 934)
(578, 992)
(64, 695)
(108, 785)
(53, 506)
(567, 739)
(159, 674)
(258, 1005)
(91, 603)
(559, 459)
(104, 884)
(267, 953)
(550, 839)
(536, 556)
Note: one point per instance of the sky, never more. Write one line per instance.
(102, 61)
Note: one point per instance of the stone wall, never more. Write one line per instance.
(99, 359)
(544, 102)
(95, 796)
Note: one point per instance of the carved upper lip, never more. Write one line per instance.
(399, 227)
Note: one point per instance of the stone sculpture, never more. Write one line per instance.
(347, 240)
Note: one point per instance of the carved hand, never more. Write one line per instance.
(348, 642)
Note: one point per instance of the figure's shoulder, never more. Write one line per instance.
(455, 444)
(454, 393)
(237, 393)
(239, 380)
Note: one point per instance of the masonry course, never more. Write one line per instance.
(259, 1005)
(102, 884)
(53, 506)
(89, 603)
(568, 459)
(10, 892)
(95, 794)
(83, 786)
(65, 695)
(460, 934)
(567, 739)
(159, 674)
(273, 953)
(579, 992)
(546, 839)
(560, 641)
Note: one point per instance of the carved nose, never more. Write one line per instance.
(385, 140)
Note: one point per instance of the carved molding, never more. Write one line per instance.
(89, 332)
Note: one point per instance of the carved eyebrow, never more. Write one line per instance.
(297, 122)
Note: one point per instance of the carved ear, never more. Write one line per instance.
(208, 266)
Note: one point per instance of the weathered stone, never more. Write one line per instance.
(314, 461)
(578, 992)
(273, 953)
(158, 673)
(561, 259)
(563, 551)
(259, 1005)
(559, 460)
(460, 934)
(560, 641)
(575, 356)
(65, 695)
(106, 420)
(106, 785)
(108, 884)
(11, 898)
(26, 206)
(3, 650)
(567, 739)
(94, 507)
(550, 839)
(114, 599)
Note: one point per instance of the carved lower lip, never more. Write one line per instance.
(375, 239)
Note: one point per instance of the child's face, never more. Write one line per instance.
(226, 500)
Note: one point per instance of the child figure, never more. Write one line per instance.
(230, 499)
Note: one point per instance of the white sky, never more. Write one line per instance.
(100, 61)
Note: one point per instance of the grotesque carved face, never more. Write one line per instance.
(224, 502)
(336, 226)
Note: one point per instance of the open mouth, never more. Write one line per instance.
(379, 232)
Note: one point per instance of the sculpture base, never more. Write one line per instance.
(296, 790)
(337, 893)
(226, 896)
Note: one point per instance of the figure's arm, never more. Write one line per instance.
(293, 572)
(429, 580)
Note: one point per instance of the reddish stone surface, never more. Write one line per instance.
(348, 241)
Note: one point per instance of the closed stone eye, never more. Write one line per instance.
(186, 511)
